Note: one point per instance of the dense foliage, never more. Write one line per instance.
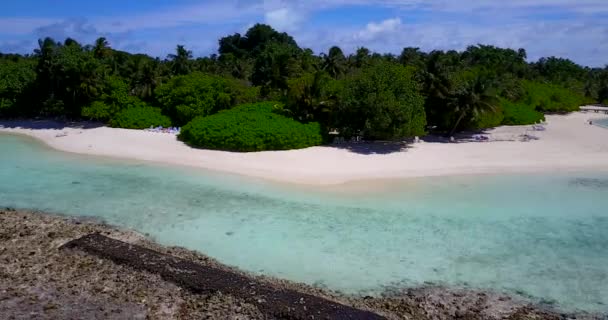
(552, 98)
(186, 97)
(488, 119)
(16, 78)
(252, 127)
(381, 101)
(519, 113)
(113, 98)
(140, 118)
(377, 96)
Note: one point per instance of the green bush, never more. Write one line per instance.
(99, 110)
(547, 97)
(115, 97)
(263, 107)
(139, 118)
(519, 113)
(250, 128)
(487, 120)
(186, 97)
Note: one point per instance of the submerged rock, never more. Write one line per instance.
(78, 285)
(593, 183)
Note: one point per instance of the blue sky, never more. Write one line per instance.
(575, 29)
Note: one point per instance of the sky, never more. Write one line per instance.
(574, 29)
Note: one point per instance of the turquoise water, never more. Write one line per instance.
(601, 122)
(543, 236)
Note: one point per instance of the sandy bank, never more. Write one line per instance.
(568, 143)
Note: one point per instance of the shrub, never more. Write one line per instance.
(263, 107)
(99, 110)
(546, 97)
(519, 113)
(250, 128)
(487, 119)
(186, 97)
(139, 118)
(115, 97)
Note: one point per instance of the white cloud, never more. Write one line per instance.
(374, 30)
(575, 31)
(211, 13)
(582, 6)
(284, 19)
(585, 43)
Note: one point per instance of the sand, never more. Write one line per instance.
(568, 143)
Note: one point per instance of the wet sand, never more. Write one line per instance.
(38, 280)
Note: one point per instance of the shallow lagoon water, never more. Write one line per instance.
(543, 236)
(603, 122)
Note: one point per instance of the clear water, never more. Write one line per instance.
(601, 122)
(543, 236)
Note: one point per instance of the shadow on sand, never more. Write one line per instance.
(376, 147)
(388, 147)
(40, 124)
(462, 137)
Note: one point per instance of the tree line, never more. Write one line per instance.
(377, 96)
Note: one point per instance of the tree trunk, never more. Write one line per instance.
(457, 123)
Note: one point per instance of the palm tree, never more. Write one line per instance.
(309, 99)
(101, 49)
(147, 76)
(334, 62)
(412, 57)
(181, 60)
(361, 57)
(475, 98)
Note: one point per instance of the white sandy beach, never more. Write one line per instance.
(568, 143)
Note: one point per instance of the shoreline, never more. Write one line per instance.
(567, 144)
(351, 186)
(104, 287)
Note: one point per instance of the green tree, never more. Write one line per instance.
(334, 63)
(68, 77)
(254, 42)
(180, 61)
(185, 97)
(101, 48)
(381, 102)
(234, 45)
(232, 66)
(146, 75)
(439, 81)
(277, 63)
(412, 57)
(473, 99)
(16, 80)
(114, 98)
(361, 58)
(311, 97)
